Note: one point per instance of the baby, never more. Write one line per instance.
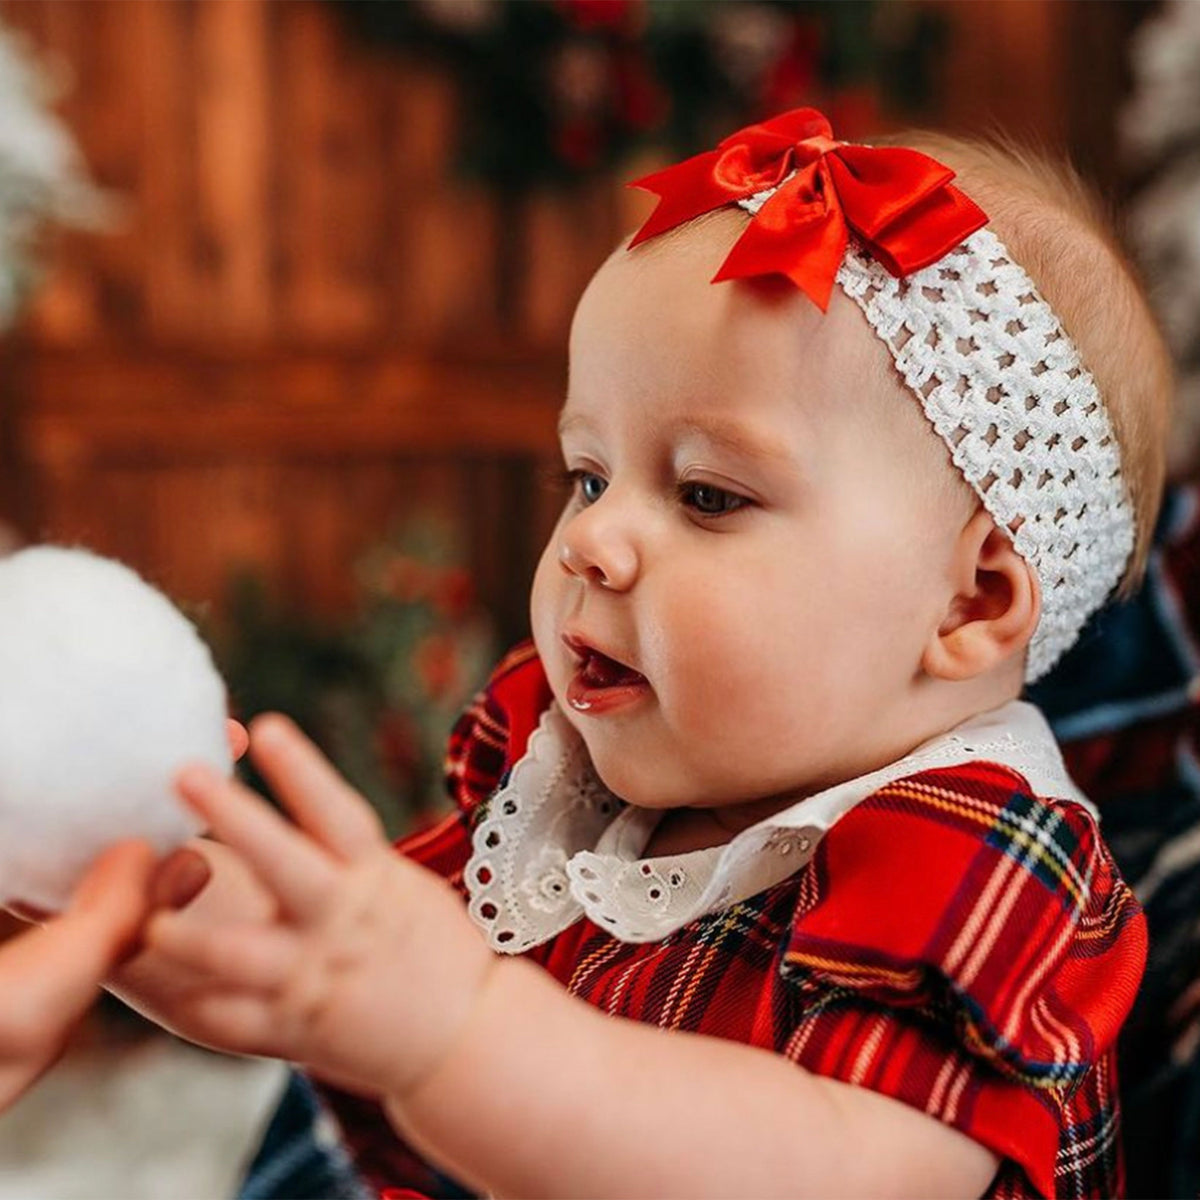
(762, 784)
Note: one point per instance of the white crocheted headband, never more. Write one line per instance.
(994, 370)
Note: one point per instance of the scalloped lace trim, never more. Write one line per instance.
(556, 844)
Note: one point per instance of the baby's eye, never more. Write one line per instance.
(587, 485)
(709, 500)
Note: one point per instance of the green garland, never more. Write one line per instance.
(554, 90)
(379, 692)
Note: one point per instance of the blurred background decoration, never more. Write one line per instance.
(43, 182)
(379, 691)
(558, 89)
(1160, 133)
(43, 179)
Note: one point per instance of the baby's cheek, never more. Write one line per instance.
(724, 676)
(542, 602)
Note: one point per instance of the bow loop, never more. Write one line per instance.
(789, 128)
(742, 171)
(898, 203)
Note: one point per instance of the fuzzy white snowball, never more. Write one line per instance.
(106, 690)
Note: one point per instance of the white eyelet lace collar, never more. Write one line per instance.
(556, 844)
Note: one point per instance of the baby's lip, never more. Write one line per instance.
(582, 649)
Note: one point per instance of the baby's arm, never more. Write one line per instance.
(49, 977)
(372, 975)
(546, 1096)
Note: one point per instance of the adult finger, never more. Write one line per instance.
(179, 878)
(108, 880)
(285, 859)
(113, 897)
(309, 787)
(28, 912)
(49, 976)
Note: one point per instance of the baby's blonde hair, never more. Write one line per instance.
(1057, 229)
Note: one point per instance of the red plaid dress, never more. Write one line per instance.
(955, 943)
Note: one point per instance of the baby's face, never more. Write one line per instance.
(756, 549)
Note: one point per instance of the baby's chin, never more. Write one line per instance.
(643, 767)
(650, 785)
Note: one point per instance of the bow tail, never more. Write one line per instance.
(805, 242)
(684, 191)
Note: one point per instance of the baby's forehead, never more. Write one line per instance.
(660, 298)
(759, 354)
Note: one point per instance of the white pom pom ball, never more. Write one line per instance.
(106, 690)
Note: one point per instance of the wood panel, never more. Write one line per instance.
(278, 181)
(301, 325)
(89, 408)
(1004, 68)
(173, 462)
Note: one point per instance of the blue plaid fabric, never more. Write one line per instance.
(301, 1156)
(1123, 704)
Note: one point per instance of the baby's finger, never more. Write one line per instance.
(239, 739)
(308, 786)
(284, 859)
(237, 1022)
(239, 958)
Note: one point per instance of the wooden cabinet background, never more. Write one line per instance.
(302, 325)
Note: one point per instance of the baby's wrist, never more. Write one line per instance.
(420, 1026)
(405, 1090)
(504, 1011)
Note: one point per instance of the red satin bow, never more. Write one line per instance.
(898, 202)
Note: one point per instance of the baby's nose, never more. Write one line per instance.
(598, 555)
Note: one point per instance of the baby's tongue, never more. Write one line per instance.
(600, 671)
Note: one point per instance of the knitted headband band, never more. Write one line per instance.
(995, 373)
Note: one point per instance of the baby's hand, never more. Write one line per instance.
(239, 739)
(367, 966)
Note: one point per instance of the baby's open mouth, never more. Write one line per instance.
(599, 671)
(601, 683)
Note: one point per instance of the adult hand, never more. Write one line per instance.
(50, 976)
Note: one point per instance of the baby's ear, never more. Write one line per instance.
(995, 608)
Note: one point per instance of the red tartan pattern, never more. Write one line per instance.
(975, 960)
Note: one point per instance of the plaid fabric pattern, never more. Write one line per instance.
(492, 733)
(975, 959)
(992, 994)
